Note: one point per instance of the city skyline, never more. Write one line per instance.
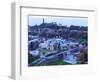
(51, 43)
(65, 21)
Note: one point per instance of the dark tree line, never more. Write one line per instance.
(50, 30)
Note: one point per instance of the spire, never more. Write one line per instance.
(43, 20)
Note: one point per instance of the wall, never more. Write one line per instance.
(5, 34)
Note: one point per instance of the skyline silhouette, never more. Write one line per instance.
(65, 21)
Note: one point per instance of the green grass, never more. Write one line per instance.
(59, 62)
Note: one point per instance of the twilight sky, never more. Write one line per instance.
(36, 20)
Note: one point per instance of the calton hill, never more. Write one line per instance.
(57, 44)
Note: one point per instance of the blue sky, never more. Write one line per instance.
(33, 20)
